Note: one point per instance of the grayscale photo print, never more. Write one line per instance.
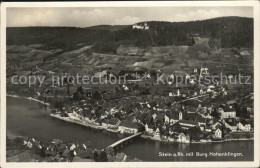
(164, 84)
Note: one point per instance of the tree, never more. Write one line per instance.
(95, 156)
(103, 156)
(238, 110)
(215, 114)
(244, 113)
(68, 89)
(80, 90)
(76, 96)
(194, 133)
(96, 95)
(110, 151)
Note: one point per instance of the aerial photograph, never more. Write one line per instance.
(130, 84)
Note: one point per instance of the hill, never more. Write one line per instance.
(230, 31)
(108, 27)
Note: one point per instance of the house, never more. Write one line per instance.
(128, 127)
(100, 74)
(140, 117)
(113, 111)
(244, 54)
(216, 125)
(182, 138)
(192, 82)
(154, 116)
(145, 26)
(166, 119)
(244, 126)
(171, 138)
(197, 117)
(204, 71)
(149, 128)
(160, 117)
(201, 110)
(208, 129)
(209, 90)
(125, 87)
(171, 130)
(250, 109)
(201, 91)
(157, 132)
(110, 123)
(180, 115)
(202, 123)
(227, 112)
(120, 157)
(187, 123)
(190, 108)
(98, 122)
(174, 117)
(164, 130)
(187, 76)
(230, 124)
(218, 133)
(224, 93)
(175, 128)
(178, 92)
(148, 118)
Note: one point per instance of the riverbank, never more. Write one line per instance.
(92, 124)
(68, 119)
(24, 149)
(86, 124)
(154, 138)
(29, 98)
(157, 138)
(30, 119)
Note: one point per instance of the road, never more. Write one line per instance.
(192, 98)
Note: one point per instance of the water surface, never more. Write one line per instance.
(32, 119)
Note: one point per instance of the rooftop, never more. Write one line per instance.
(129, 124)
(187, 122)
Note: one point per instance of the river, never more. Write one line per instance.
(32, 119)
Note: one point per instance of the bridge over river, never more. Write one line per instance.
(121, 142)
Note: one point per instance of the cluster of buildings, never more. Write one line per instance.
(142, 26)
(179, 126)
(194, 120)
(197, 112)
(190, 112)
(33, 150)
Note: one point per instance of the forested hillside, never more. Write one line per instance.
(232, 31)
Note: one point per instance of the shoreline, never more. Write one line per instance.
(28, 98)
(205, 142)
(69, 119)
(99, 127)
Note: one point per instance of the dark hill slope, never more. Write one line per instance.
(233, 32)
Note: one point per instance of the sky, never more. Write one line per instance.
(90, 16)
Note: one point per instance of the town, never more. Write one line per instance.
(198, 109)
